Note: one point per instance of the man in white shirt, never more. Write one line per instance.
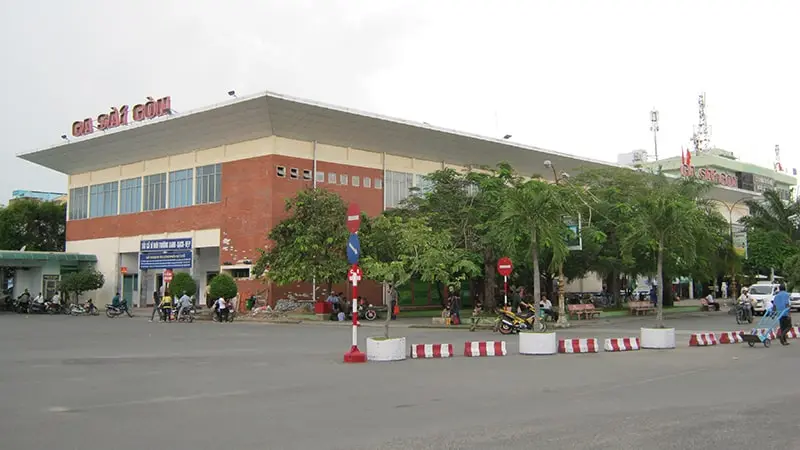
(547, 307)
(222, 309)
(185, 302)
(39, 299)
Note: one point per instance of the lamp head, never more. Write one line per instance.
(548, 164)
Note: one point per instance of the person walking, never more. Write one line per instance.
(781, 303)
(156, 305)
(166, 306)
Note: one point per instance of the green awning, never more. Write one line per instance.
(8, 256)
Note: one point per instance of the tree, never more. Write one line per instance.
(182, 282)
(767, 250)
(791, 268)
(532, 218)
(772, 214)
(223, 286)
(36, 225)
(669, 218)
(310, 243)
(84, 280)
(397, 248)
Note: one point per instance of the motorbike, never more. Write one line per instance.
(21, 307)
(114, 311)
(37, 308)
(231, 315)
(87, 309)
(744, 312)
(187, 315)
(508, 322)
(56, 308)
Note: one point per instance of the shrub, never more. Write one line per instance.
(182, 282)
(223, 286)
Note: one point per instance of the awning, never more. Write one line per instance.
(19, 258)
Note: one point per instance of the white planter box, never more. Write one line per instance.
(658, 338)
(538, 343)
(392, 349)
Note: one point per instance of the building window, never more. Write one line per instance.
(103, 199)
(356, 180)
(367, 182)
(378, 183)
(423, 184)
(293, 173)
(155, 192)
(320, 177)
(306, 174)
(343, 179)
(240, 273)
(331, 178)
(79, 203)
(130, 196)
(208, 184)
(398, 187)
(280, 171)
(180, 188)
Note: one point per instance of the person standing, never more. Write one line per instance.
(781, 304)
(166, 306)
(222, 309)
(156, 305)
(455, 307)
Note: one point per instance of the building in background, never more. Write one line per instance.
(635, 158)
(39, 195)
(199, 191)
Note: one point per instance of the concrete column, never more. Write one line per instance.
(691, 289)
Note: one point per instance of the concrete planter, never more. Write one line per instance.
(658, 338)
(380, 349)
(538, 343)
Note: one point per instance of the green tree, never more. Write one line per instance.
(767, 250)
(34, 224)
(791, 267)
(532, 218)
(310, 243)
(182, 282)
(84, 280)
(398, 248)
(670, 219)
(772, 214)
(223, 286)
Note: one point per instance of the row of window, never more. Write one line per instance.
(332, 178)
(149, 193)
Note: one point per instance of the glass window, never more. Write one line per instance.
(367, 182)
(356, 180)
(180, 188)
(130, 196)
(422, 183)
(103, 199)
(331, 178)
(306, 174)
(79, 203)
(379, 183)
(320, 177)
(343, 179)
(209, 184)
(280, 171)
(155, 192)
(398, 187)
(293, 172)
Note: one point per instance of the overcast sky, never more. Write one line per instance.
(573, 76)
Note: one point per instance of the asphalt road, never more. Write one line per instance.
(96, 383)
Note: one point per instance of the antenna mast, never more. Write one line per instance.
(701, 138)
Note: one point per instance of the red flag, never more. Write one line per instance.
(688, 157)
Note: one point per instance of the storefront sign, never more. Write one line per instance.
(156, 245)
(119, 116)
(763, 184)
(165, 260)
(710, 175)
(739, 235)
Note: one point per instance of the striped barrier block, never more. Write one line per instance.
(429, 351)
(485, 348)
(621, 344)
(702, 339)
(578, 346)
(731, 337)
(793, 333)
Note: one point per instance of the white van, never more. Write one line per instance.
(760, 292)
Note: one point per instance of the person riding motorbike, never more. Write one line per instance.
(185, 302)
(221, 307)
(744, 306)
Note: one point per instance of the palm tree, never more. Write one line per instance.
(532, 218)
(774, 214)
(670, 217)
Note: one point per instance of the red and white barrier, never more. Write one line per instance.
(731, 337)
(485, 348)
(702, 339)
(621, 344)
(578, 346)
(428, 351)
(793, 333)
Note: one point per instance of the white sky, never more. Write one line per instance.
(572, 76)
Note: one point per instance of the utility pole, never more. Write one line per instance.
(654, 129)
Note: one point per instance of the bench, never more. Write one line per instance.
(643, 307)
(705, 306)
(587, 311)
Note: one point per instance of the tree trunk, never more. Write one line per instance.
(537, 282)
(388, 309)
(330, 288)
(489, 280)
(660, 293)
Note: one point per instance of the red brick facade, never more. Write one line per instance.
(253, 199)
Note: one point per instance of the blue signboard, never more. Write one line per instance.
(158, 245)
(353, 249)
(165, 260)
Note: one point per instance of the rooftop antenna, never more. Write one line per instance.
(701, 138)
(654, 129)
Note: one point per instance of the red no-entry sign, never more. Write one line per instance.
(167, 275)
(504, 266)
(353, 218)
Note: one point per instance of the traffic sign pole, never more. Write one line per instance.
(355, 355)
(505, 291)
(504, 268)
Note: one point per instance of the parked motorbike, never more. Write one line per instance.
(744, 312)
(114, 311)
(87, 309)
(231, 315)
(36, 308)
(509, 322)
(187, 315)
(56, 308)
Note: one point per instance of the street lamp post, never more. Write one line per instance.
(563, 321)
(730, 224)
